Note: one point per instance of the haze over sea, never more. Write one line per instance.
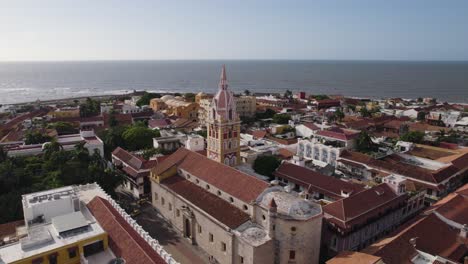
(28, 81)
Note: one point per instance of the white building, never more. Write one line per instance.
(319, 153)
(68, 142)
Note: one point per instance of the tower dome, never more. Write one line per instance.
(223, 104)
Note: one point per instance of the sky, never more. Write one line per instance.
(57, 30)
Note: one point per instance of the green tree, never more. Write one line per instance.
(288, 94)
(35, 137)
(320, 97)
(339, 115)
(189, 97)
(364, 142)
(246, 92)
(364, 112)
(3, 154)
(281, 118)
(421, 116)
(266, 165)
(413, 136)
(139, 137)
(52, 147)
(90, 108)
(269, 113)
(146, 98)
(63, 128)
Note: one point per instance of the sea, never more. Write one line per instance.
(29, 81)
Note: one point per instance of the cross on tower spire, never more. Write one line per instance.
(223, 79)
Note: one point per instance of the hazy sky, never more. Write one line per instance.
(233, 29)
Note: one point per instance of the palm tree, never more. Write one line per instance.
(364, 142)
(52, 147)
(80, 152)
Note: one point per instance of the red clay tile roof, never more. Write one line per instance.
(314, 181)
(311, 126)
(158, 123)
(393, 163)
(218, 208)
(353, 257)
(236, 183)
(124, 241)
(339, 133)
(258, 134)
(285, 153)
(8, 229)
(134, 161)
(362, 206)
(433, 236)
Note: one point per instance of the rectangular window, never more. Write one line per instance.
(170, 207)
(223, 246)
(241, 259)
(72, 252)
(162, 200)
(177, 212)
(211, 237)
(199, 229)
(292, 254)
(155, 196)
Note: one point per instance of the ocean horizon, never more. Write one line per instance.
(25, 81)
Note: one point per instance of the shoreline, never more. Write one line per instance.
(121, 95)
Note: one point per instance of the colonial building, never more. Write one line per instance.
(438, 235)
(223, 126)
(136, 170)
(437, 170)
(232, 216)
(355, 222)
(313, 184)
(175, 106)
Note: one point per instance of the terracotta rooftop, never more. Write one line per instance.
(124, 241)
(433, 235)
(285, 153)
(218, 208)
(362, 206)
(315, 182)
(9, 228)
(395, 164)
(158, 123)
(311, 126)
(236, 183)
(348, 257)
(339, 133)
(258, 134)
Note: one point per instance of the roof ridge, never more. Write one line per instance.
(101, 200)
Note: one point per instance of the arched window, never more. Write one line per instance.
(230, 114)
(214, 114)
(226, 161)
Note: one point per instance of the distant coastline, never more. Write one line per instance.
(28, 81)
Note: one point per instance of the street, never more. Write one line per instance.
(179, 247)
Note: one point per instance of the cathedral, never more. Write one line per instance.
(235, 218)
(224, 126)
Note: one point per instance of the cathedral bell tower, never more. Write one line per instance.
(224, 126)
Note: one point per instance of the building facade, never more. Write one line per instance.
(223, 135)
(232, 216)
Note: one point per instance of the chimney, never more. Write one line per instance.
(412, 241)
(463, 231)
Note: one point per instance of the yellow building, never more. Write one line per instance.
(223, 124)
(175, 106)
(65, 112)
(201, 95)
(74, 225)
